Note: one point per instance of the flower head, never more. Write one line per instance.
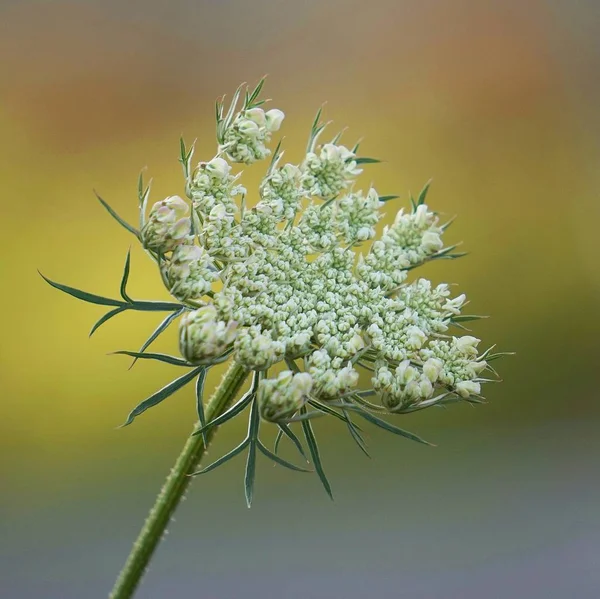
(295, 280)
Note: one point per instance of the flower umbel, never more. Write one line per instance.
(293, 285)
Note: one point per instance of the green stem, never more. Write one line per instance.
(174, 488)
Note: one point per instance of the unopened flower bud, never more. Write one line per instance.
(467, 388)
(432, 369)
(167, 226)
(202, 337)
(274, 118)
(284, 396)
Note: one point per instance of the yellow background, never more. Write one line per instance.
(498, 102)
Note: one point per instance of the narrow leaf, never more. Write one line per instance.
(83, 295)
(466, 317)
(253, 424)
(314, 452)
(158, 331)
(305, 416)
(423, 193)
(173, 360)
(235, 451)
(123, 223)
(200, 402)
(161, 395)
(234, 410)
(390, 427)
(366, 160)
(279, 460)
(125, 277)
(356, 435)
(284, 429)
(151, 306)
(107, 317)
(388, 198)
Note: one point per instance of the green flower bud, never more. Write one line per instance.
(202, 337)
(167, 226)
(284, 396)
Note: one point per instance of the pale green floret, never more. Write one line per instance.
(203, 337)
(212, 184)
(332, 378)
(246, 139)
(190, 273)
(357, 215)
(167, 225)
(410, 241)
(327, 173)
(317, 227)
(457, 363)
(257, 350)
(281, 192)
(404, 387)
(282, 397)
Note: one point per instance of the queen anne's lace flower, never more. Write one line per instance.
(284, 278)
(295, 288)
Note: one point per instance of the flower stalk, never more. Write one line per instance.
(175, 487)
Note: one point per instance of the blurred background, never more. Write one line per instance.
(498, 102)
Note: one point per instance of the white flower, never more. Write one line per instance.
(467, 388)
(274, 118)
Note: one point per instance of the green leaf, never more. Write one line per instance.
(388, 198)
(253, 424)
(314, 452)
(200, 402)
(150, 306)
(492, 357)
(466, 317)
(355, 434)
(324, 408)
(423, 193)
(366, 160)
(255, 93)
(161, 395)
(159, 330)
(390, 427)
(235, 451)
(279, 460)
(173, 360)
(305, 416)
(278, 438)
(107, 317)
(123, 223)
(234, 410)
(83, 295)
(284, 429)
(125, 277)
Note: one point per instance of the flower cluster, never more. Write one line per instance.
(285, 279)
(294, 287)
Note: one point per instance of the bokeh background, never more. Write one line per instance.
(498, 102)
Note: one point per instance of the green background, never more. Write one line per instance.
(498, 102)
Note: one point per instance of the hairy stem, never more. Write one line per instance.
(174, 488)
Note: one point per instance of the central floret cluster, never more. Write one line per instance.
(285, 281)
